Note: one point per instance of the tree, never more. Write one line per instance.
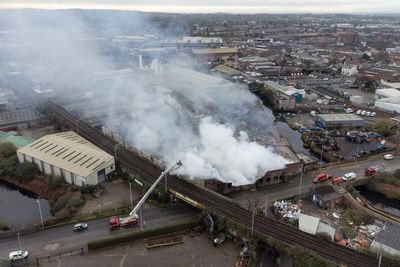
(7, 149)
(26, 171)
(8, 166)
(385, 127)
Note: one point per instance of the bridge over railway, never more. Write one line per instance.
(211, 201)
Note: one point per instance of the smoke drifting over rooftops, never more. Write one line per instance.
(218, 129)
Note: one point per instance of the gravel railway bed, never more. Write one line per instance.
(211, 201)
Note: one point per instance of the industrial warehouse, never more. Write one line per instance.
(70, 156)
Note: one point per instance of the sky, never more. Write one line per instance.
(212, 6)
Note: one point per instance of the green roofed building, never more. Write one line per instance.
(18, 141)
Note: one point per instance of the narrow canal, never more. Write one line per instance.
(379, 201)
(19, 209)
(293, 137)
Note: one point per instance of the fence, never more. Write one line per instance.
(51, 257)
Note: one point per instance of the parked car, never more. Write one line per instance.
(219, 239)
(358, 112)
(312, 113)
(388, 156)
(18, 255)
(349, 176)
(80, 227)
(368, 113)
(363, 113)
(373, 114)
(348, 110)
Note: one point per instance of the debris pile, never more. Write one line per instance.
(364, 236)
(286, 210)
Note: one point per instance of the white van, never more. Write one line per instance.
(312, 113)
(349, 176)
(363, 112)
(358, 112)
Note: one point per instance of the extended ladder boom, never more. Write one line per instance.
(143, 199)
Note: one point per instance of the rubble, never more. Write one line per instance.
(286, 210)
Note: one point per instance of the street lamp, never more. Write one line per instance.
(266, 205)
(19, 242)
(381, 246)
(130, 193)
(166, 183)
(252, 221)
(301, 180)
(252, 218)
(40, 212)
(358, 147)
(76, 124)
(115, 152)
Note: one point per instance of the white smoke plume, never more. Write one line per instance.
(218, 129)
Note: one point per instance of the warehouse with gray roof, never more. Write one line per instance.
(341, 120)
(70, 156)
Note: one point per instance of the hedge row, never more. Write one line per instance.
(142, 234)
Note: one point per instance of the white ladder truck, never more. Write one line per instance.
(117, 222)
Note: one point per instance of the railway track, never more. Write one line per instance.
(213, 202)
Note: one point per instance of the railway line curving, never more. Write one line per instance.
(211, 201)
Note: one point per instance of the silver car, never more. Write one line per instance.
(80, 227)
(18, 255)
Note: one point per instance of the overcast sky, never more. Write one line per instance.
(229, 6)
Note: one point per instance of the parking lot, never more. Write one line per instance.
(196, 250)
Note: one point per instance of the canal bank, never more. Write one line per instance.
(19, 208)
(380, 201)
(293, 137)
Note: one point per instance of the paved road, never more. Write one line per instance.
(63, 238)
(292, 186)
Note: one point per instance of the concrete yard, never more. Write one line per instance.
(195, 251)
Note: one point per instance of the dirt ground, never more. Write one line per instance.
(196, 250)
(115, 192)
(36, 133)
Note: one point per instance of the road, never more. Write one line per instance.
(62, 238)
(292, 186)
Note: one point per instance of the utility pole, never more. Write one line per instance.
(166, 183)
(381, 245)
(40, 212)
(358, 146)
(266, 205)
(19, 242)
(301, 180)
(252, 221)
(76, 124)
(322, 152)
(115, 152)
(141, 218)
(130, 193)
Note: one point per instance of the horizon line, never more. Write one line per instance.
(184, 9)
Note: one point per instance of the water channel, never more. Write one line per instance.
(293, 137)
(379, 201)
(20, 209)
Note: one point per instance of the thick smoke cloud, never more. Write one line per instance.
(218, 129)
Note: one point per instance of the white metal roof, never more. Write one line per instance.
(68, 151)
(389, 92)
(308, 224)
